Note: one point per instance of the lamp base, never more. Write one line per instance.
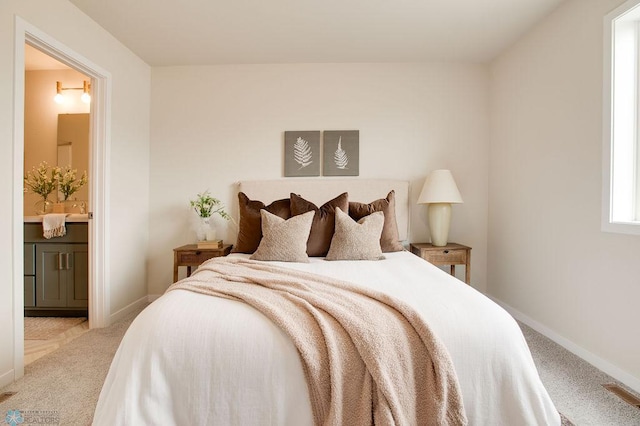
(439, 215)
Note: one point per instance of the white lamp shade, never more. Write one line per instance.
(439, 187)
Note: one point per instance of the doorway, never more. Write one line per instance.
(56, 122)
(100, 79)
(56, 138)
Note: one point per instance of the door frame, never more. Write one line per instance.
(99, 153)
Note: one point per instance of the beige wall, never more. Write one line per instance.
(213, 126)
(127, 205)
(41, 123)
(548, 258)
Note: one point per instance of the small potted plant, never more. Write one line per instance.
(206, 206)
(42, 180)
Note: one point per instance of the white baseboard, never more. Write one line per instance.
(7, 378)
(153, 297)
(600, 363)
(132, 307)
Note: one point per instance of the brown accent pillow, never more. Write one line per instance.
(323, 221)
(389, 240)
(356, 240)
(284, 240)
(250, 226)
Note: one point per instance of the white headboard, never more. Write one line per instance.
(319, 191)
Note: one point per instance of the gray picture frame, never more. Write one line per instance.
(341, 153)
(302, 153)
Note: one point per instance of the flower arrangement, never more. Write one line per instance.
(68, 183)
(41, 180)
(206, 206)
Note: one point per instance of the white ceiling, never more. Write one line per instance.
(198, 32)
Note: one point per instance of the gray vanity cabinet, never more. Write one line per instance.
(56, 271)
(29, 275)
(61, 275)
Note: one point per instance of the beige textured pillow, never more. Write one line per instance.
(284, 240)
(356, 240)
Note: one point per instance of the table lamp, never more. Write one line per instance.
(439, 191)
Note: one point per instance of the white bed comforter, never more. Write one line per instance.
(194, 359)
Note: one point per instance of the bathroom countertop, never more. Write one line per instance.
(73, 217)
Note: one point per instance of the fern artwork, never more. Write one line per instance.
(340, 157)
(340, 152)
(302, 153)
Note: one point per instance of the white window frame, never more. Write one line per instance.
(621, 116)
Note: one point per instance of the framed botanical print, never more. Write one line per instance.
(302, 153)
(341, 152)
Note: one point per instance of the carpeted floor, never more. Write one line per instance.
(68, 381)
(575, 386)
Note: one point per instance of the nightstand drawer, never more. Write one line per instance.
(452, 254)
(194, 257)
(190, 255)
(446, 257)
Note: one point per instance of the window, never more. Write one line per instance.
(621, 164)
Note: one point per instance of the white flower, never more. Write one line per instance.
(41, 180)
(205, 206)
(67, 181)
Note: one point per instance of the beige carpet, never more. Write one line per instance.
(68, 381)
(43, 328)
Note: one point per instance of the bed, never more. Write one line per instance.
(193, 358)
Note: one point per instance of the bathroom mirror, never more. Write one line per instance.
(73, 148)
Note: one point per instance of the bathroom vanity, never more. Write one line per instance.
(56, 270)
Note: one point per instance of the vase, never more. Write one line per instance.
(43, 206)
(206, 231)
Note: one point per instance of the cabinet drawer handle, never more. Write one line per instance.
(66, 260)
(60, 261)
(446, 252)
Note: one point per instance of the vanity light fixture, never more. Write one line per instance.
(86, 97)
(58, 98)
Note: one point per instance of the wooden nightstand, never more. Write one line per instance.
(452, 254)
(190, 255)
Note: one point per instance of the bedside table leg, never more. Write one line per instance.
(452, 270)
(175, 267)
